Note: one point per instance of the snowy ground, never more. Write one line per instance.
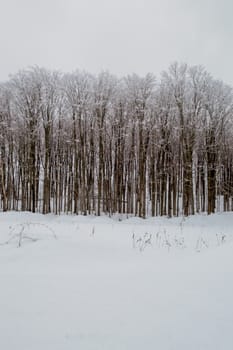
(98, 283)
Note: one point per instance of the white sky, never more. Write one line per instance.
(122, 36)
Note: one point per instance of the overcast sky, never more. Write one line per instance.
(122, 36)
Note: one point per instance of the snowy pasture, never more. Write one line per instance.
(95, 283)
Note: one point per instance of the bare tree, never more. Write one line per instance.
(78, 143)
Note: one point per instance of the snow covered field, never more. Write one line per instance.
(99, 283)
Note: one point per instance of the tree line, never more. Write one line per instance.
(84, 144)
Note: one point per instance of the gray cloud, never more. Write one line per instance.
(122, 36)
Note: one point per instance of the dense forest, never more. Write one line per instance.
(84, 144)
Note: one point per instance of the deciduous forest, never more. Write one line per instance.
(144, 146)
